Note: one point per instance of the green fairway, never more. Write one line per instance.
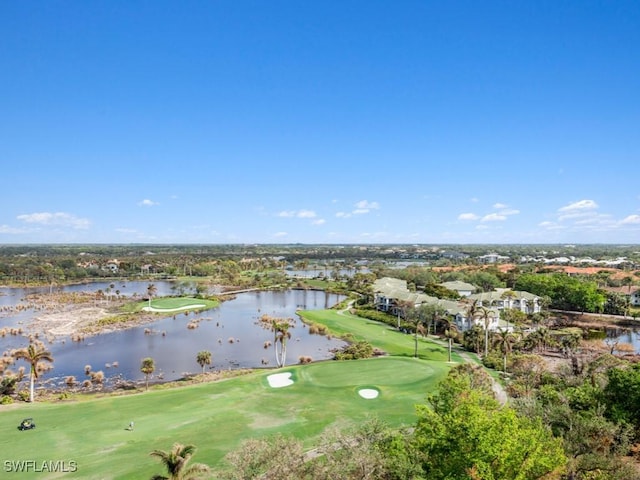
(378, 334)
(215, 417)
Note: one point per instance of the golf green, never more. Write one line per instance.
(215, 417)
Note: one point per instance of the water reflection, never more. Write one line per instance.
(229, 332)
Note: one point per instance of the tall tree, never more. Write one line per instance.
(151, 292)
(465, 434)
(281, 334)
(504, 340)
(203, 358)
(34, 354)
(487, 316)
(176, 461)
(450, 332)
(147, 367)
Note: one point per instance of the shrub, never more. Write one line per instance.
(354, 351)
(6, 400)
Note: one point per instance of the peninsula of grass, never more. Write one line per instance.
(218, 416)
(175, 304)
(353, 328)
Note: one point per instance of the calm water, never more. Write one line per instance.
(229, 332)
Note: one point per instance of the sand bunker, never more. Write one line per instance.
(368, 393)
(278, 380)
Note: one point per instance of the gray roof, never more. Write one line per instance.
(458, 286)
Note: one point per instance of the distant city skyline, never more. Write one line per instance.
(320, 122)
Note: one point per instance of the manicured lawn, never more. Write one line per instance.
(378, 334)
(216, 417)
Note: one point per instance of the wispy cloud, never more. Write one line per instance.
(11, 230)
(579, 206)
(578, 209)
(280, 234)
(494, 217)
(297, 214)
(631, 220)
(320, 221)
(58, 219)
(364, 206)
(503, 212)
(147, 203)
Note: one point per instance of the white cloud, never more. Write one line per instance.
(320, 221)
(60, 219)
(499, 205)
(493, 217)
(468, 216)
(509, 211)
(475, 200)
(343, 215)
(126, 230)
(297, 214)
(147, 203)
(579, 206)
(11, 230)
(306, 214)
(631, 219)
(365, 205)
(280, 234)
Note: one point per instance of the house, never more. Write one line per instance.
(502, 298)
(492, 258)
(390, 293)
(464, 289)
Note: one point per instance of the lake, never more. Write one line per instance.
(229, 332)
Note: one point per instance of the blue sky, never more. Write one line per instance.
(345, 121)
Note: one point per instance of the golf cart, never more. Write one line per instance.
(26, 424)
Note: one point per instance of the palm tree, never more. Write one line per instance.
(147, 367)
(504, 340)
(33, 354)
(151, 291)
(281, 334)
(416, 318)
(280, 328)
(176, 462)
(451, 332)
(203, 358)
(487, 317)
(472, 311)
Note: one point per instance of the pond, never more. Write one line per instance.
(229, 332)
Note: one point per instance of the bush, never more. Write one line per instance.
(377, 315)
(354, 351)
(6, 400)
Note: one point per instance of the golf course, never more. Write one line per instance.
(90, 438)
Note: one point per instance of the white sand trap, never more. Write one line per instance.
(278, 380)
(368, 393)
